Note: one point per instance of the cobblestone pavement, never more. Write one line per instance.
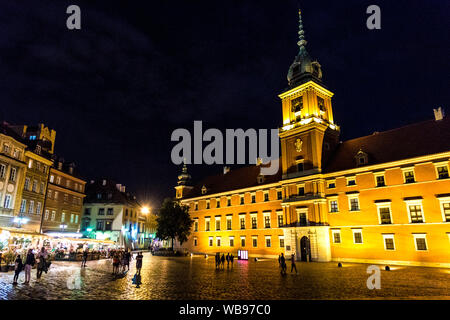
(197, 278)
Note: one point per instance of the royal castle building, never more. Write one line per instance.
(382, 198)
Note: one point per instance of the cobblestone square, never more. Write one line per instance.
(196, 278)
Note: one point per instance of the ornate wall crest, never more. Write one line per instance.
(298, 145)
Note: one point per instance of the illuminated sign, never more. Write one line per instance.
(242, 254)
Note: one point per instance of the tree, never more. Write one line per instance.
(173, 221)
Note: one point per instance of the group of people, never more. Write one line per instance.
(282, 263)
(121, 261)
(42, 260)
(220, 261)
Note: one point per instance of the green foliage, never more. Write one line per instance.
(9, 257)
(173, 221)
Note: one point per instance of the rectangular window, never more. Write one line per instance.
(415, 213)
(351, 181)
(101, 211)
(76, 218)
(87, 211)
(300, 167)
(229, 223)
(385, 215)
(420, 241)
(446, 211)
(242, 222)
(255, 242)
(108, 225)
(442, 172)
(231, 241)
(196, 206)
(357, 236)
(58, 180)
(26, 186)
(47, 212)
(409, 176)
(207, 225)
(333, 206)
(2, 171)
(211, 240)
(218, 241)
(23, 206)
(207, 204)
(279, 195)
(71, 218)
(254, 222)
(56, 195)
(195, 242)
(336, 236)
(380, 181)
(354, 204)
(280, 220)
(268, 242)
(110, 211)
(8, 202)
(38, 208)
(217, 203)
(302, 218)
(195, 225)
(242, 241)
(12, 176)
(331, 184)
(301, 191)
(217, 224)
(267, 220)
(389, 243)
(99, 225)
(242, 199)
(34, 186)
(253, 198)
(63, 217)
(31, 207)
(229, 202)
(281, 238)
(42, 190)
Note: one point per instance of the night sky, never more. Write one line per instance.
(116, 89)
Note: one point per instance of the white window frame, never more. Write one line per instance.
(215, 223)
(357, 231)
(53, 215)
(208, 220)
(23, 206)
(384, 205)
(267, 214)
(420, 235)
(46, 214)
(438, 165)
(31, 207)
(210, 241)
(195, 242)
(9, 205)
(330, 199)
(245, 241)
(414, 203)
(253, 238)
(443, 200)
(231, 238)
(379, 174)
(408, 169)
(265, 241)
(333, 232)
(280, 213)
(389, 236)
(218, 241)
(279, 242)
(38, 208)
(347, 179)
(253, 215)
(229, 218)
(195, 224)
(350, 197)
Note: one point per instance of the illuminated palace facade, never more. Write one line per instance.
(382, 198)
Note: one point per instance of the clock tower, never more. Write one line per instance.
(308, 135)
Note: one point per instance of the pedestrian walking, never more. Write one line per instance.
(283, 264)
(42, 265)
(217, 260)
(116, 263)
(279, 261)
(228, 259)
(231, 260)
(29, 263)
(139, 258)
(85, 257)
(293, 266)
(223, 261)
(126, 260)
(17, 268)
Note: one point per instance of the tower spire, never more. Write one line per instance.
(301, 33)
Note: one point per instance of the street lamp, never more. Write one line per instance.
(145, 210)
(20, 220)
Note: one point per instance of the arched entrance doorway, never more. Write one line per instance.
(305, 249)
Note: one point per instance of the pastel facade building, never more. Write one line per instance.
(378, 198)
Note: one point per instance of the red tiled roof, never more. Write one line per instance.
(418, 139)
(423, 138)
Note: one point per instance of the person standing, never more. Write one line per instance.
(217, 260)
(223, 260)
(42, 265)
(228, 260)
(85, 256)
(116, 263)
(18, 268)
(29, 263)
(293, 266)
(283, 264)
(126, 259)
(139, 258)
(231, 260)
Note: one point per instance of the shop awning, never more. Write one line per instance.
(19, 232)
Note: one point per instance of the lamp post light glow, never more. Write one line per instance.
(20, 221)
(145, 210)
(63, 226)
